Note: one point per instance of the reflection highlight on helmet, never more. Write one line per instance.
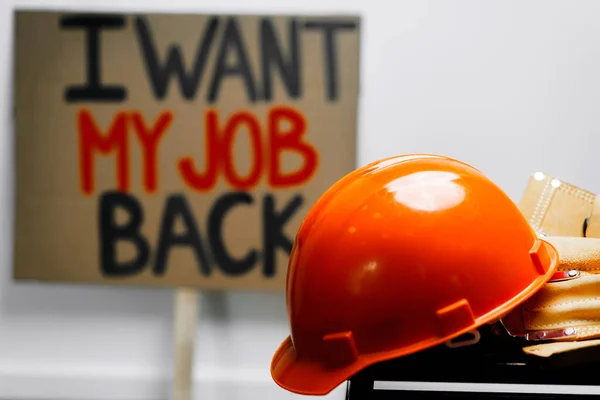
(428, 191)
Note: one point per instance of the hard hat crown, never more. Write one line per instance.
(398, 256)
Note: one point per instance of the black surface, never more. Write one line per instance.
(493, 360)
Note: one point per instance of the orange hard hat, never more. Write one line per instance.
(401, 255)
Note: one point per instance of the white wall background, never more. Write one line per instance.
(511, 86)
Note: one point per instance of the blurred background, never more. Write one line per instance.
(511, 87)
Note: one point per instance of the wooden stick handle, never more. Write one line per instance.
(185, 325)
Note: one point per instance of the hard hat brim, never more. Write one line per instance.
(311, 378)
(305, 377)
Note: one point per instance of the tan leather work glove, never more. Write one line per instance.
(567, 308)
(564, 316)
(554, 207)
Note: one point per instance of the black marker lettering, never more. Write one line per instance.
(110, 233)
(177, 206)
(272, 57)
(160, 75)
(232, 40)
(93, 89)
(273, 236)
(330, 51)
(228, 264)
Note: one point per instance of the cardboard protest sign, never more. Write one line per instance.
(176, 150)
